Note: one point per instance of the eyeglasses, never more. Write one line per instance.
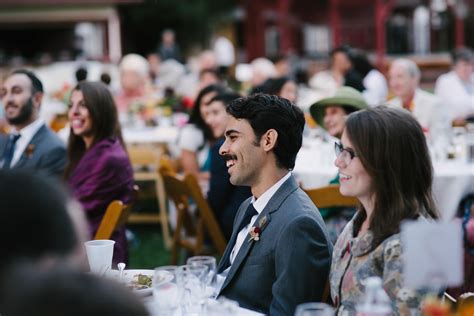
(346, 154)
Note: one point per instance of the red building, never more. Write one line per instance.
(310, 27)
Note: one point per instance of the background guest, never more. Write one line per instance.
(99, 170)
(383, 161)
(283, 87)
(168, 48)
(404, 78)
(196, 136)
(456, 88)
(30, 144)
(331, 113)
(340, 73)
(375, 85)
(134, 82)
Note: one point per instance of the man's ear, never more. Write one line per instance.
(269, 140)
(37, 98)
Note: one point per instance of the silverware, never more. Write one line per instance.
(121, 267)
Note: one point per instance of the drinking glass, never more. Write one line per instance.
(190, 280)
(314, 309)
(165, 290)
(209, 277)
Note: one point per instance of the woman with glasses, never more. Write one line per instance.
(383, 161)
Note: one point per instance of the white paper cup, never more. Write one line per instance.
(100, 253)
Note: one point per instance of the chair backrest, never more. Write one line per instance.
(167, 165)
(180, 191)
(110, 220)
(144, 156)
(329, 196)
(115, 216)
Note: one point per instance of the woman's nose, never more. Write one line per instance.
(339, 162)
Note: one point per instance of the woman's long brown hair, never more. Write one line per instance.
(103, 111)
(392, 148)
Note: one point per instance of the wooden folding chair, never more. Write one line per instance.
(116, 215)
(145, 160)
(329, 196)
(188, 235)
(110, 221)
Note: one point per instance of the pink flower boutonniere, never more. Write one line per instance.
(254, 233)
(29, 150)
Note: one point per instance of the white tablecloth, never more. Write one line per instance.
(452, 179)
(235, 311)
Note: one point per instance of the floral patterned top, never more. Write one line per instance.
(353, 261)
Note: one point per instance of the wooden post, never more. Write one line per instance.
(383, 9)
(284, 26)
(335, 22)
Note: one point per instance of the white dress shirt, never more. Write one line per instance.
(259, 204)
(27, 134)
(458, 96)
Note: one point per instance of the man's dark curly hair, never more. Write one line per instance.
(265, 112)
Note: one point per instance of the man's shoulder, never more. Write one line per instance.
(47, 139)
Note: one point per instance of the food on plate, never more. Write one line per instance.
(140, 282)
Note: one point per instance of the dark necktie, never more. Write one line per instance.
(249, 213)
(9, 150)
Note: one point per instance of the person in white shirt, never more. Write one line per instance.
(456, 88)
(30, 144)
(404, 77)
(375, 85)
(279, 253)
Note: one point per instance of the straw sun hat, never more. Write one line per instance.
(344, 96)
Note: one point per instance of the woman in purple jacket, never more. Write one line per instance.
(99, 170)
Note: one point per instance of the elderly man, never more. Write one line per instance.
(404, 78)
(30, 143)
(456, 88)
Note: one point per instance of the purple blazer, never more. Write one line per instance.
(102, 175)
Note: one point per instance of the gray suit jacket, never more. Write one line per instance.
(290, 262)
(45, 152)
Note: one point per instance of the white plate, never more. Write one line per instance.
(130, 275)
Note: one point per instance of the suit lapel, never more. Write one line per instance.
(263, 221)
(225, 261)
(24, 157)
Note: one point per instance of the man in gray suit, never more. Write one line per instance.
(279, 253)
(30, 144)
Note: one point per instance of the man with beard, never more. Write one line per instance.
(30, 144)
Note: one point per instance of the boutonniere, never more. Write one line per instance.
(29, 150)
(255, 231)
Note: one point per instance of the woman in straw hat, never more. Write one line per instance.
(331, 113)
